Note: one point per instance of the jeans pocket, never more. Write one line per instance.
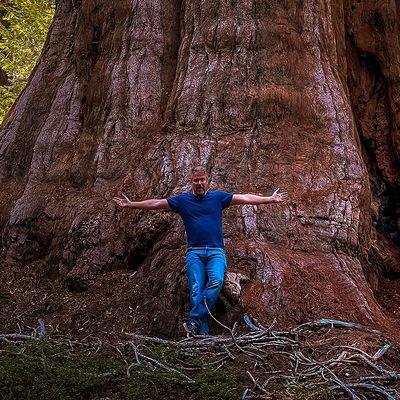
(190, 259)
(221, 250)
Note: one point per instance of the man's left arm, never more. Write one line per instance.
(276, 197)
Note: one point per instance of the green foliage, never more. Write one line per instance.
(23, 29)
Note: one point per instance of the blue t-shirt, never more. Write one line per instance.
(202, 216)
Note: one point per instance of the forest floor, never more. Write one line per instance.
(88, 345)
(106, 309)
(311, 361)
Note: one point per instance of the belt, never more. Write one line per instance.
(203, 247)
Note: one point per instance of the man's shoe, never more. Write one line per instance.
(191, 327)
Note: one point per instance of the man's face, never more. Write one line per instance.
(199, 184)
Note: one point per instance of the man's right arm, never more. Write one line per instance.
(150, 204)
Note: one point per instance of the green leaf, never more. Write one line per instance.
(24, 25)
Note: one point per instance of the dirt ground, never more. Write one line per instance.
(114, 307)
(111, 308)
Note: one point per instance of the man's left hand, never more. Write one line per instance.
(278, 197)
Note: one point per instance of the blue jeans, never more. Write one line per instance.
(205, 269)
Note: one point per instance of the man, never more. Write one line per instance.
(201, 212)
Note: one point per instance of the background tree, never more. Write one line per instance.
(24, 25)
(129, 95)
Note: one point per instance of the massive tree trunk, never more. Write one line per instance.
(129, 95)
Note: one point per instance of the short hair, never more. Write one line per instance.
(199, 170)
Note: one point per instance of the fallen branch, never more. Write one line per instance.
(157, 363)
(333, 323)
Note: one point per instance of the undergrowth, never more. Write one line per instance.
(44, 370)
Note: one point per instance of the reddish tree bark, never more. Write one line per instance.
(128, 96)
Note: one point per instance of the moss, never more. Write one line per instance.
(299, 391)
(45, 370)
(224, 383)
(42, 370)
(303, 392)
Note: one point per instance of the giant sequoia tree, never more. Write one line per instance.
(129, 95)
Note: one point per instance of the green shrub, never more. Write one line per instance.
(23, 29)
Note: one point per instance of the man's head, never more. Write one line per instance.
(199, 181)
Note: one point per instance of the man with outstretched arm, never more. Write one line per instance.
(201, 212)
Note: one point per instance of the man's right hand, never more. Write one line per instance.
(151, 204)
(122, 202)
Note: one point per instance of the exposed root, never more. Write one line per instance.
(344, 371)
(314, 357)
